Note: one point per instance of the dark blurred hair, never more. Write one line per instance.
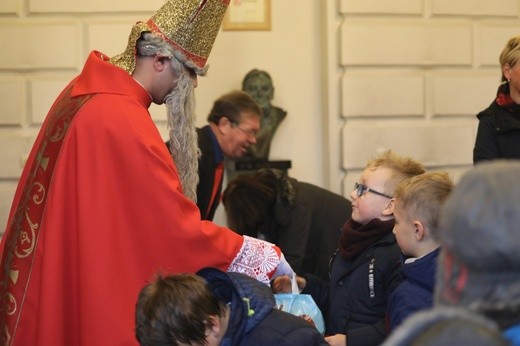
(249, 200)
(231, 105)
(175, 309)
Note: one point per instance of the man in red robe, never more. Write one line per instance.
(101, 205)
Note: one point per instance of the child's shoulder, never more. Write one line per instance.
(388, 248)
(387, 241)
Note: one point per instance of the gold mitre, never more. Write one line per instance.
(189, 26)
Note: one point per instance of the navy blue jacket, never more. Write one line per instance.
(354, 302)
(254, 321)
(416, 291)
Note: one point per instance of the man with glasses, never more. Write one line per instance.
(234, 122)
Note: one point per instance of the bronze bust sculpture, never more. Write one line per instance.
(259, 85)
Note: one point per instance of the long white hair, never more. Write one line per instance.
(180, 105)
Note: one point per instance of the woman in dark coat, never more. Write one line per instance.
(498, 134)
(304, 220)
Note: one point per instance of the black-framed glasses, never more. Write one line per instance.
(361, 189)
(251, 133)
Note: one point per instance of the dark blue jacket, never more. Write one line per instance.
(416, 291)
(354, 302)
(253, 320)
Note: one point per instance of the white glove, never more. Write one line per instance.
(284, 268)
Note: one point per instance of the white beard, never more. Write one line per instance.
(183, 135)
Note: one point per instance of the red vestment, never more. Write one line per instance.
(98, 211)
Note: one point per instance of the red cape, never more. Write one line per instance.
(98, 211)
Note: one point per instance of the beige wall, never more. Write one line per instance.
(413, 74)
(356, 76)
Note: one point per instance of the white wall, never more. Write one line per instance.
(413, 76)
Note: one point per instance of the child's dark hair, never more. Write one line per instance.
(175, 309)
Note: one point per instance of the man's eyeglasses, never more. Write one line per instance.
(361, 189)
(251, 133)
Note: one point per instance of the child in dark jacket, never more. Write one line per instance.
(365, 269)
(417, 205)
(216, 308)
(479, 263)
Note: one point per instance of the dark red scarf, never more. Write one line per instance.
(504, 99)
(356, 237)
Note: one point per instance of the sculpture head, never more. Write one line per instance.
(259, 85)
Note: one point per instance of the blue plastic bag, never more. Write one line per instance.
(301, 305)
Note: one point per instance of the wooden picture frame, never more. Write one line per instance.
(248, 15)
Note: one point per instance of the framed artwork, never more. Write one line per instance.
(248, 15)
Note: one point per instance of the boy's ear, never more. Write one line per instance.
(420, 230)
(213, 328)
(389, 209)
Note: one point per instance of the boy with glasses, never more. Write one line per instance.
(365, 269)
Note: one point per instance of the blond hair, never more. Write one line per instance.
(510, 54)
(402, 168)
(422, 196)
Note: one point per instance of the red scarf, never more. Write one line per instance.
(504, 99)
(356, 237)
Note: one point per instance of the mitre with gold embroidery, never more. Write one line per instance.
(189, 26)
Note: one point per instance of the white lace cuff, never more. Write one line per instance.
(256, 258)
